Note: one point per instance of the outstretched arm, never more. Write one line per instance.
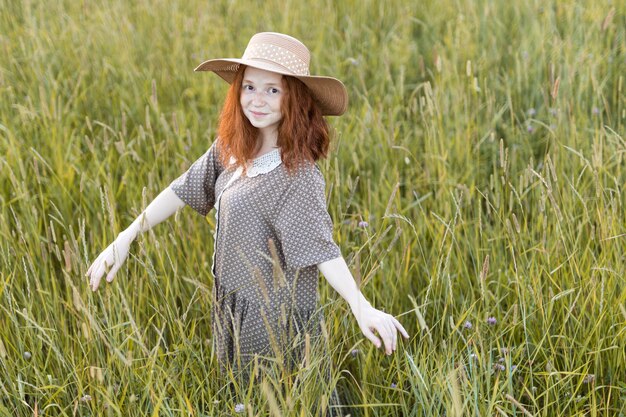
(162, 207)
(339, 277)
(112, 258)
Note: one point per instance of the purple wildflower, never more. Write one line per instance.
(393, 385)
(354, 353)
(530, 128)
(27, 355)
(467, 324)
(491, 321)
(513, 368)
(499, 367)
(473, 356)
(595, 110)
(239, 408)
(85, 398)
(363, 223)
(531, 112)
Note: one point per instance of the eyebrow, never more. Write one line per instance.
(252, 82)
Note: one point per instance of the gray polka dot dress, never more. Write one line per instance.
(272, 229)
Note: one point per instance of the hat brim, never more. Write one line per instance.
(330, 93)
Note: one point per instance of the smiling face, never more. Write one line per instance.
(261, 95)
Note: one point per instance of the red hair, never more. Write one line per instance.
(303, 133)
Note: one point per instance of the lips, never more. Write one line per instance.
(258, 114)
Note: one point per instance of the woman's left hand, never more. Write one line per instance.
(386, 326)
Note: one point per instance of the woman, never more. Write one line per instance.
(273, 231)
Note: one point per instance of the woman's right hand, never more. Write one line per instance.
(109, 261)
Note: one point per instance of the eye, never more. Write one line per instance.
(274, 90)
(247, 87)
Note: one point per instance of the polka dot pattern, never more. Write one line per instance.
(272, 230)
(195, 187)
(297, 65)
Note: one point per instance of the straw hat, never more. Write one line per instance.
(284, 55)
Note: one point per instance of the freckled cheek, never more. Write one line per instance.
(245, 99)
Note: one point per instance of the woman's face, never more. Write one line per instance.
(261, 95)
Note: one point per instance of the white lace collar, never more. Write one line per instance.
(264, 163)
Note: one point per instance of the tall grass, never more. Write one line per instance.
(484, 147)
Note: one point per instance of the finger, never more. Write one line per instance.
(103, 268)
(372, 337)
(394, 332)
(112, 273)
(93, 265)
(97, 276)
(94, 283)
(400, 327)
(391, 332)
(383, 332)
(108, 267)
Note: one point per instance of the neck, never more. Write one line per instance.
(268, 138)
(267, 141)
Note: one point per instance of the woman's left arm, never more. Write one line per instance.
(339, 277)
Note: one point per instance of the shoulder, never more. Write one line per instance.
(306, 170)
(306, 176)
(305, 184)
(214, 149)
(214, 154)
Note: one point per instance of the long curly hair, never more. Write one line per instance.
(303, 133)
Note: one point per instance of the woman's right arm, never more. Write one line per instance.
(195, 188)
(112, 258)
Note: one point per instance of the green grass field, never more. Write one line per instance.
(484, 145)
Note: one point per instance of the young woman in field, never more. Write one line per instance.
(273, 231)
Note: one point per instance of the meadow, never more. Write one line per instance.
(476, 183)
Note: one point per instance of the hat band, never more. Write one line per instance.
(277, 55)
(272, 63)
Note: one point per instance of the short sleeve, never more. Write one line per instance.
(302, 223)
(196, 187)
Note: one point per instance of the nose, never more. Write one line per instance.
(258, 99)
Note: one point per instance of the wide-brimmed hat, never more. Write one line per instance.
(284, 55)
